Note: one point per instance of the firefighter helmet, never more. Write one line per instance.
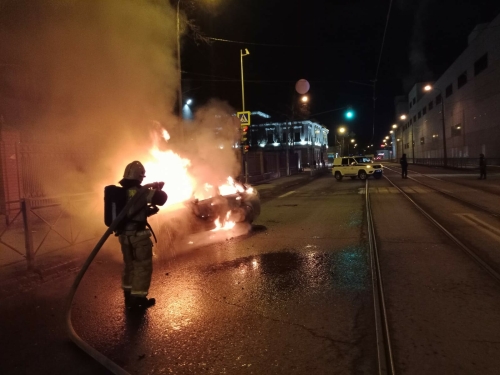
(134, 171)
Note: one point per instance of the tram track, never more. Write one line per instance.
(450, 195)
(384, 348)
(485, 265)
(386, 360)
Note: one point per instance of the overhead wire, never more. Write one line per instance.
(378, 67)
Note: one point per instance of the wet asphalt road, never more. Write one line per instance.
(291, 297)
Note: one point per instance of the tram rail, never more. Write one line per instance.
(448, 194)
(384, 347)
(485, 265)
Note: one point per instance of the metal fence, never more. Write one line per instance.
(45, 225)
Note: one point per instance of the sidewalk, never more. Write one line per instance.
(15, 277)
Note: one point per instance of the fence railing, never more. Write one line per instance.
(44, 225)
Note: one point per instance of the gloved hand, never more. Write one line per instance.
(152, 210)
(156, 185)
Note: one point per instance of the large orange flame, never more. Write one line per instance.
(180, 185)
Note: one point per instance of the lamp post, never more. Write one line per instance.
(445, 157)
(179, 85)
(394, 136)
(403, 117)
(245, 157)
(242, 54)
(342, 131)
(348, 152)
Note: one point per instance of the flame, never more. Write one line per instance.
(165, 135)
(180, 185)
(228, 225)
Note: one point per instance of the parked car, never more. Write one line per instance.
(348, 166)
(379, 167)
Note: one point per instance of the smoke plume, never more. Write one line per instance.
(95, 76)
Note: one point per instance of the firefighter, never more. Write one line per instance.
(135, 237)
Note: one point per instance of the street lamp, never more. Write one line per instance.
(242, 54)
(348, 148)
(304, 99)
(179, 86)
(403, 117)
(430, 88)
(342, 131)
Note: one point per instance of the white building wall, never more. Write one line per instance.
(475, 106)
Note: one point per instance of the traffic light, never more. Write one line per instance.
(244, 134)
(349, 114)
(244, 138)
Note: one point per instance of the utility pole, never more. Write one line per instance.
(179, 89)
(243, 154)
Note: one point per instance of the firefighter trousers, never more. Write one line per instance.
(137, 250)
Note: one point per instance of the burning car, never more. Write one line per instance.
(201, 198)
(218, 212)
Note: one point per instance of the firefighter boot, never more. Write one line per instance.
(136, 302)
(126, 295)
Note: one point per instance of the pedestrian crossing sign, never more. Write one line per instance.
(244, 117)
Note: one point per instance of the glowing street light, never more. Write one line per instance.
(403, 117)
(243, 54)
(304, 99)
(394, 126)
(445, 158)
(341, 130)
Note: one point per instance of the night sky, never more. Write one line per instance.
(335, 45)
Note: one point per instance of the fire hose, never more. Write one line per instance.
(98, 356)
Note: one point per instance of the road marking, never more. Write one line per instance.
(284, 195)
(484, 227)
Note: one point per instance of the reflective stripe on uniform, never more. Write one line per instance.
(138, 294)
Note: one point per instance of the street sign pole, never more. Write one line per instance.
(244, 118)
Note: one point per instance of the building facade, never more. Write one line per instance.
(457, 116)
(307, 140)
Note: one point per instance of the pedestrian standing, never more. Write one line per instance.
(482, 167)
(135, 237)
(404, 166)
